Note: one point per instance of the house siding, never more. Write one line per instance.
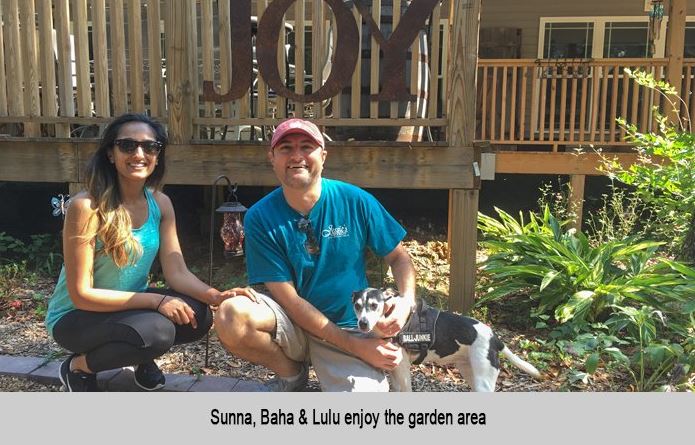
(526, 15)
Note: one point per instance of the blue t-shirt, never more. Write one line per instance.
(345, 221)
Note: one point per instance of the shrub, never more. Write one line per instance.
(618, 289)
(620, 214)
(569, 278)
(663, 177)
(41, 252)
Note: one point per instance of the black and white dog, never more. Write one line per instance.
(442, 338)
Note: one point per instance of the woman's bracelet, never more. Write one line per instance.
(160, 302)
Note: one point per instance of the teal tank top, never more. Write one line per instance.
(131, 277)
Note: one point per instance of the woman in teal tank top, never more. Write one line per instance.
(102, 309)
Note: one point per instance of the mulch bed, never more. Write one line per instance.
(28, 337)
(22, 333)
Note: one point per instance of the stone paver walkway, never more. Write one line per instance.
(46, 371)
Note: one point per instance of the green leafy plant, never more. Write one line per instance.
(620, 214)
(593, 349)
(540, 352)
(39, 253)
(556, 198)
(40, 304)
(651, 359)
(653, 334)
(566, 276)
(663, 177)
(10, 245)
(609, 299)
(11, 275)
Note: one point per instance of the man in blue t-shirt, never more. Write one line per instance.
(306, 241)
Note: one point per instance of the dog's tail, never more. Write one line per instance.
(525, 366)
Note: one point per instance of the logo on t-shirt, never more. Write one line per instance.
(335, 232)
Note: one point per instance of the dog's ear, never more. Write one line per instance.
(356, 296)
(389, 292)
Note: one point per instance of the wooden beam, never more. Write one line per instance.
(463, 216)
(370, 164)
(47, 161)
(537, 163)
(675, 45)
(378, 165)
(364, 166)
(463, 204)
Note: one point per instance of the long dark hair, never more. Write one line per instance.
(101, 179)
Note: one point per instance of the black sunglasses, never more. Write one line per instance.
(130, 146)
(311, 244)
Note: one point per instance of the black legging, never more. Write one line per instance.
(116, 339)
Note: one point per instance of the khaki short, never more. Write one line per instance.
(335, 369)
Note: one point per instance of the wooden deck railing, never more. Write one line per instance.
(60, 70)
(568, 102)
(113, 56)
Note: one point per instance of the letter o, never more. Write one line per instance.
(347, 46)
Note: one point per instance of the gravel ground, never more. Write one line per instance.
(17, 384)
(28, 338)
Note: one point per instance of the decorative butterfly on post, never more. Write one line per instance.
(59, 204)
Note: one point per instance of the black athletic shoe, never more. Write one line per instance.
(149, 377)
(278, 384)
(75, 381)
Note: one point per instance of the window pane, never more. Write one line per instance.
(624, 39)
(689, 40)
(568, 40)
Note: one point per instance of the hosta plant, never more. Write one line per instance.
(617, 303)
(567, 278)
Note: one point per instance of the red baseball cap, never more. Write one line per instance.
(297, 126)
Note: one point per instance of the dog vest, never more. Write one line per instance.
(418, 333)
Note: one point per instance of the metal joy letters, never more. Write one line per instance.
(394, 50)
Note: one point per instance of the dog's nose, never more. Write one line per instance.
(363, 325)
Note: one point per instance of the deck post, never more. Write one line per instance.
(463, 204)
(675, 44)
(74, 188)
(463, 212)
(180, 24)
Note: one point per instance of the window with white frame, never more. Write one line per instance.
(598, 37)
